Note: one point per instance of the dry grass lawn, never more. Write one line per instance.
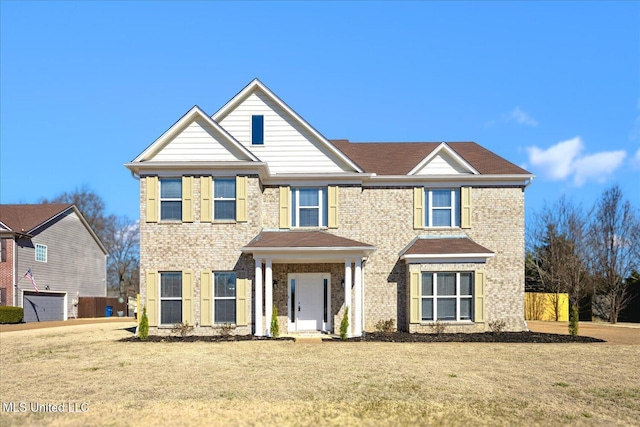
(283, 383)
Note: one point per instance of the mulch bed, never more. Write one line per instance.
(504, 337)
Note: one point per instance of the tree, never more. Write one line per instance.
(120, 236)
(556, 260)
(614, 249)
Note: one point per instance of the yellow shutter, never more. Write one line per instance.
(415, 305)
(205, 199)
(285, 204)
(332, 199)
(242, 311)
(187, 199)
(152, 297)
(152, 198)
(418, 207)
(242, 209)
(478, 296)
(205, 298)
(465, 195)
(187, 297)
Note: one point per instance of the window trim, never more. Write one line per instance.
(214, 198)
(322, 207)
(161, 298)
(435, 297)
(46, 254)
(169, 199)
(216, 298)
(456, 208)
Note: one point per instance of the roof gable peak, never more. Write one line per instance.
(447, 156)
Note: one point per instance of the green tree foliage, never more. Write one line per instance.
(275, 326)
(344, 324)
(143, 328)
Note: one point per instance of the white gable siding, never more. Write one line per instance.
(287, 147)
(442, 164)
(197, 142)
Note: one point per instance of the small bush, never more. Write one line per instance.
(11, 314)
(386, 326)
(275, 326)
(182, 328)
(143, 329)
(573, 321)
(497, 326)
(226, 329)
(344, 324)
(438, 327)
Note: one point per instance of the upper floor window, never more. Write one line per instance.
(41, 252)
(257, 130)
(224, 307)
(447, 296)
(224, 199)
(309, 207)
(3, 250)
(171, 199)
(170, 298)
(442, 207)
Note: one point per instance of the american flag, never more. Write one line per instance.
(29, 275)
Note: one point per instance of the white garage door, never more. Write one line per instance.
(43, 306)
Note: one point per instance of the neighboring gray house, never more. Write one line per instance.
(252, 209)
(54, 245)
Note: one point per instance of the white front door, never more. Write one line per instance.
(308, 301)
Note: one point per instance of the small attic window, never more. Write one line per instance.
(257, 130)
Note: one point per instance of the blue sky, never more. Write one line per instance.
(551, 86)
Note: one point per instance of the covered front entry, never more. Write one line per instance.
(309, 302)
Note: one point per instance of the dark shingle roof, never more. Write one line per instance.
(445, 246)
(24, 218)
(302, 239)
(398, 158)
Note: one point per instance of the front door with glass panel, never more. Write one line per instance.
(309, 302)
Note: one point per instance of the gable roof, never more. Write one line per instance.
(425, 248)
(400, 158)
(191, 115)
(257, 85)
(24, 219)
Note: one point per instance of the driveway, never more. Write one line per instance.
(620, 333)
(71, 322)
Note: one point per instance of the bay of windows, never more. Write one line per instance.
(447, 296)
(309, 207)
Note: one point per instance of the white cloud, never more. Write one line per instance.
(597, 167)
(564, 159)
(557, 160)
(520, 117)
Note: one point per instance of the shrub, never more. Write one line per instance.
(182, 328)
(497, 326)
(385, 326)
(143, 329)
(226, 329)
(275, 326)
(438, 327)
(344, 324)
(11, 314)
(574, 316)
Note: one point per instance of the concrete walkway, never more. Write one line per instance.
(70, 322)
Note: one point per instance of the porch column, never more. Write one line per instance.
(347, 292)
(357, 311)
(268, 296)
(258, 299)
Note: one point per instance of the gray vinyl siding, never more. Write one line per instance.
(75, 262)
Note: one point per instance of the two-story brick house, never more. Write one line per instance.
(252, 208)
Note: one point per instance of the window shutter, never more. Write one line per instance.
(205, 199)
(332, 198)
(205, 298)
(152, 199)
(285, 204)
(418, 207)
(465, 195)
(415, 306)
(187, 199)
(242, 312)
(152, 297)
(187, 297)
(241, 198)
(478, 296)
